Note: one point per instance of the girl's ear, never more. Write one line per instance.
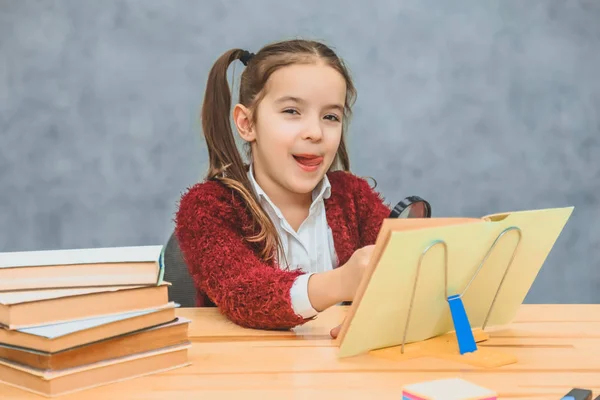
(242, 117)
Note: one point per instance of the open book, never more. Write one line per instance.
(135, 265)
(418, 263)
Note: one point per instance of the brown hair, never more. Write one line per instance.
(226, 164)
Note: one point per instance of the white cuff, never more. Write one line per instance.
(299, 294)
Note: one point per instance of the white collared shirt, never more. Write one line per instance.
(310, 249)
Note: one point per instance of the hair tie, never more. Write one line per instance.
(246, 56)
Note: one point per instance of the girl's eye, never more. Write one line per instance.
(332, 117)
(290, 111)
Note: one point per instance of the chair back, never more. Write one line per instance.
(182, 289)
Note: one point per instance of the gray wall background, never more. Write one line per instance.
(478, 106)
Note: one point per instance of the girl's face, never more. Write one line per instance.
(298, 127)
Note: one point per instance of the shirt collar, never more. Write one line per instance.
(320, 192)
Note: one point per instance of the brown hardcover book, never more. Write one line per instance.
(43, 307)
(60, 382)
(58, 337)
(149, 339)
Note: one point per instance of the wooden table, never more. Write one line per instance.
(558, 347)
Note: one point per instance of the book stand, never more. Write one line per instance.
(459, 345)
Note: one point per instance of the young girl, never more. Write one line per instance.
(275, 242)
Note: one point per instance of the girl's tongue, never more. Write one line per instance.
(309, 160)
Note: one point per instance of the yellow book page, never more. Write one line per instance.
(379, 318)
(395, 225)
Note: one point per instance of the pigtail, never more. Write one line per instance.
(222, 150)
(225, 161)
(342, 159)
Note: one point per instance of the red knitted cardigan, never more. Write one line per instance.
(211, 224)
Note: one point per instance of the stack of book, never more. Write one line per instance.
(76, 319)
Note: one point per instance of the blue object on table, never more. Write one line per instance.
(462, 327)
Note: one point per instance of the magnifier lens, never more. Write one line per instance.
(406, 213)
(412, 207)
(417, 210)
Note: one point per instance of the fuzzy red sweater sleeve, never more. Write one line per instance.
(371, 210)
(247, 290)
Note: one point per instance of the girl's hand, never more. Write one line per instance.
(336, 331)
(353, 271)
(326, 289)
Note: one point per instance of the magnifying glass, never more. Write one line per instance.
(412, 207)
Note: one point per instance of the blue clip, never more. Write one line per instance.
(464, 333)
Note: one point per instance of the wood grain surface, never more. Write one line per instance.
(557, 346)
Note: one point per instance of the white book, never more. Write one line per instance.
(54, 331)
(77, 268)
(100, 255)
(56, 337)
